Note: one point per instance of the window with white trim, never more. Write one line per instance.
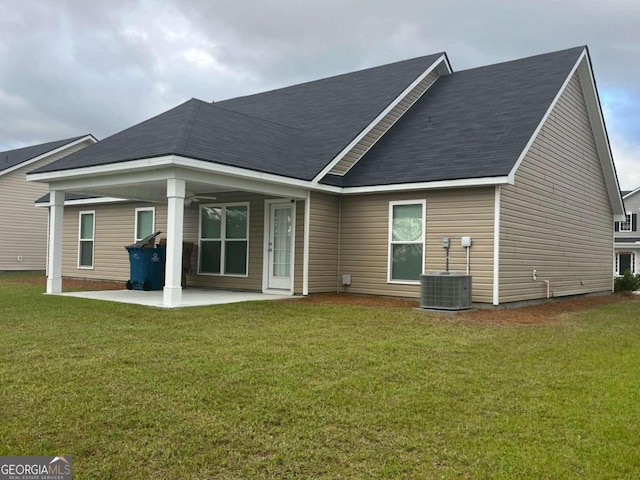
(145, 222)
(625, 261)
(86, 230)
(626, 225)
(406, 241)
(224, 239)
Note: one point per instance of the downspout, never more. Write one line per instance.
(338, 282)
(305, 261)
(496, 247)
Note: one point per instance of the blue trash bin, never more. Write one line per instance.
(146, 265)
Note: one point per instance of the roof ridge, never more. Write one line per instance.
(522, 59)
(330, 77)
(254, 117)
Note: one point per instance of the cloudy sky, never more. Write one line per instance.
(70, 67)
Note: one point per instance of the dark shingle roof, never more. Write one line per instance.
(470, 124)
(11, 158)
(294, 131)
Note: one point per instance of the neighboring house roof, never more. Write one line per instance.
(294, 131)
(11, 159)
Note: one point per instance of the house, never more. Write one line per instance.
(23, 236)
(627, 236)
(359, 177)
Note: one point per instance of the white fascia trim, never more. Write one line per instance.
(174, 161)
(49, 153)
(512, 173)
(401, 187)
(86, 201)
(434, 66)
(496, 247)
(136, 166)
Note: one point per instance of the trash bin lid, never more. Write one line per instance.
(145, 240)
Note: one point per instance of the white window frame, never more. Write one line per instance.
(92, 240)
(223, 240)
(391, 242)
(629, 222)
(633, 262)
(137, 238)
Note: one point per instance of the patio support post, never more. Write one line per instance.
(54, 257)
(172, 294)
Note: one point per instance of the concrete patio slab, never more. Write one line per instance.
(191, 297)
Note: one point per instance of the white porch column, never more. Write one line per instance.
(54, 257)
(172, 294)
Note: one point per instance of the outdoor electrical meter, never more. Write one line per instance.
(445, 242)
(466, 242)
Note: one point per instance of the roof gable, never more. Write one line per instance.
(470, 124)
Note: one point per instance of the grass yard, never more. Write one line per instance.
(302, 390)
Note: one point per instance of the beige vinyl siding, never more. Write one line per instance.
(323, 243)
(557, 218)
(383, 126)
(114, 229)
(454, 213)
(24, 227)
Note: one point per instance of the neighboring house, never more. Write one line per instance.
(23, 231)
(361, 174)
(627, 236)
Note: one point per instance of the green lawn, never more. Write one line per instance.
(294, 390)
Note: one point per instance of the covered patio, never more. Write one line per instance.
(173, 181)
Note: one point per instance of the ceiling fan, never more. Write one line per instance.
(196, 198)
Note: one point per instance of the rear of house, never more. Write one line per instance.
(330, 186)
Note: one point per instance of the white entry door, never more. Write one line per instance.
(280, 246)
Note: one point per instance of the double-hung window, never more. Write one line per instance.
(86, 230)
(406, 241)
(224, 239)
(145, 222)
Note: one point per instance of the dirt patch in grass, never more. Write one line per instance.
(547, 312)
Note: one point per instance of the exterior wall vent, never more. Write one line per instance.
(445, 291)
